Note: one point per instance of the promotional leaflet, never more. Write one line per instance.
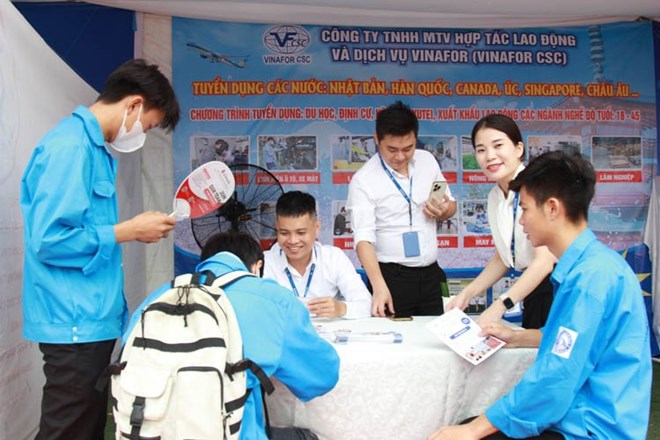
(461, 334)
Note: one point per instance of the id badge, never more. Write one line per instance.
(411, 244)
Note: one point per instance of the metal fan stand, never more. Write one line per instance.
(251, 209)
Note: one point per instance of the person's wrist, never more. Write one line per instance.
(123, 232)
(379, 287)
(342, 309)
(507, 302)
(500, 307)
(466, 294)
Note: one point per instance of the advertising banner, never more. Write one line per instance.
(300, 102)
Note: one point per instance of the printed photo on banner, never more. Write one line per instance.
(287, 153)
(617, 212)
(444, 149)
(474, 218)
(616, 152)
(228, 149)
(448, 226)
(471, 172)
(616, 218)
(349, 152)
(537, 145)
(469, 160)
(341, 219)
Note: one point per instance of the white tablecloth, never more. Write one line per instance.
(399, 391)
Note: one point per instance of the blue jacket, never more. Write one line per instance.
(72, 278)
(592, 375)
(277, 334)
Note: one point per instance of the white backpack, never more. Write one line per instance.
(181, 374)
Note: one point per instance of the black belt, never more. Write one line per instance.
(411, 268)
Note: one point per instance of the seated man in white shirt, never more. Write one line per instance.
(322, 276)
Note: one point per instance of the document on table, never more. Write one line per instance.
(461, 334)
(346, 336)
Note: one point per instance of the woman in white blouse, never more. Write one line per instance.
(499, 150)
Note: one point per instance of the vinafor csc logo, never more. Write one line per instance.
(287, 42)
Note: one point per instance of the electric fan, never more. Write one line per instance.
(251, 209)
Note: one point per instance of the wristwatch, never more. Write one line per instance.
(507, 302)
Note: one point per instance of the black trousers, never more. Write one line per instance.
(292, 434)
(71, 408)
(536, 306)
(415, 290)
(545, 435)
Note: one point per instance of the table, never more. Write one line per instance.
(399, 391)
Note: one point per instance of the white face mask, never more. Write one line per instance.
(127, 142)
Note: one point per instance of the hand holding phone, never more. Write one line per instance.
(438, 190)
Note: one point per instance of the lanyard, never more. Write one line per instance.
(403, 193)
(513, 232)
(309, 280)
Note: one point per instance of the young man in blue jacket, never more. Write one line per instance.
(277, 332)
(73, 286)
(592, 375)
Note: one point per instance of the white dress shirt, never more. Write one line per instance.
(500, 218)
(379, 212)
(334, 275)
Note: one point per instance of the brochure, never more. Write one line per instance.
(345, 336)
(461, 334)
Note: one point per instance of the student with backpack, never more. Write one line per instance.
(276, 331)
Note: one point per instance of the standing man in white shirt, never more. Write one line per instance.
(394, 221)
(322, 276)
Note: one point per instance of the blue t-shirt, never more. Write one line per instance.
(592, 375)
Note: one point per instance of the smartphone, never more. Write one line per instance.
(401, 318)
(438, 190)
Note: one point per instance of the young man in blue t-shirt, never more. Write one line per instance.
(592, 375)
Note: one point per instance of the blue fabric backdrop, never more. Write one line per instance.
(92, 39)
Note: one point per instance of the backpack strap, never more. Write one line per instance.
(265, 384)
(114, 368)
(259, 373)
(208, 278)
(269, 433)
(137, 417)
(230, 277)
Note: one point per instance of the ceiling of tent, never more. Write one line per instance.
(398, 13)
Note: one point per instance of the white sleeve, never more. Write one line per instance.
(357, 297)
(363, 213)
